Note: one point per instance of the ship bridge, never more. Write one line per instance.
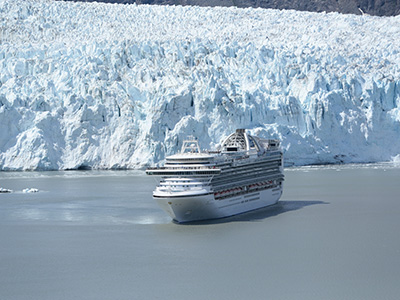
(190, 154)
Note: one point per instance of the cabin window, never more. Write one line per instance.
(231, 149)
(251, 143)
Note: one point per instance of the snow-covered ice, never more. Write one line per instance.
(4, 190)
(396, 159)
(90, 85)
(30, 190)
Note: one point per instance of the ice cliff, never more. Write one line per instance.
(89, 85)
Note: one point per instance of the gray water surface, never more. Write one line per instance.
(99, 235)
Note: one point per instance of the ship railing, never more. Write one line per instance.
(182, 168)
(179, 189)
(246, 188)
(272, 158)
(205, 172)
(212, 151)
(233, 178)
(248, 180)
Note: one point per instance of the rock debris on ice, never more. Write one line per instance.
(90, 85)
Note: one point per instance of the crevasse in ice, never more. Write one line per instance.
(119, 86)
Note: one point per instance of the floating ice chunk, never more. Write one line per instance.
(30, 190)
(396, 159)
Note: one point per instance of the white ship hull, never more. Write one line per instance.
(244, 175)
(204, 207)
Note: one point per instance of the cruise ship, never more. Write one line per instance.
(244, 174)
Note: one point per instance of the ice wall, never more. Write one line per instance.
(88, 85)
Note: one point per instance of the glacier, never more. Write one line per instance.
(110, 86)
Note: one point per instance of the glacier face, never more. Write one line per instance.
(89, 85)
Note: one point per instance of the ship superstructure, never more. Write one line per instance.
(246, 173)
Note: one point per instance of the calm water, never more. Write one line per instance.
(99, 235)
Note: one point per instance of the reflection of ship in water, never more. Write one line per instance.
(246, 174)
